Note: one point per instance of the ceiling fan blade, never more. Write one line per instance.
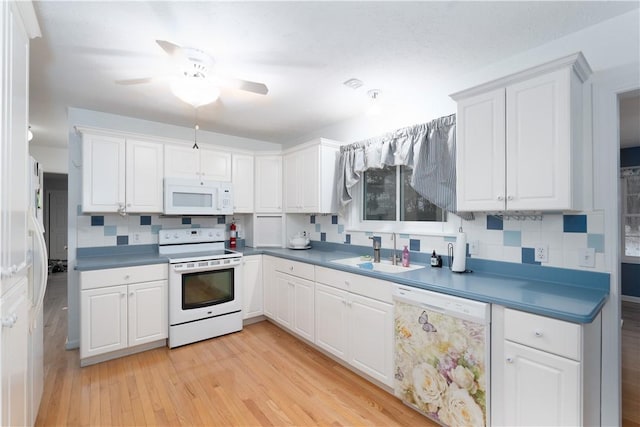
(170, 48)
(135, 81)
(246, 85)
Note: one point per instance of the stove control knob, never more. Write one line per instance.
(175, 236)
(211, 234)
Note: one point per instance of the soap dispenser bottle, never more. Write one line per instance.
(405, 257)
(434, 259)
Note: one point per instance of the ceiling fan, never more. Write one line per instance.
(194, 82)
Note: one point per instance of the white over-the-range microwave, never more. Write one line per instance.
(195, 197)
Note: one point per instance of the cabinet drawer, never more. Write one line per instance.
(550, 335)
(362, 285)
(121, 276)
(294, 268)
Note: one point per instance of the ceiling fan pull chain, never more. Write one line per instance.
(195, 133)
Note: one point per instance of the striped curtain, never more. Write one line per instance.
(429, 149)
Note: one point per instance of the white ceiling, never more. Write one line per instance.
(303, 51)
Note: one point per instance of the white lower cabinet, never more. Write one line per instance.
(119, 311)
(294, 305)
(252, 286)
(355, 327)
(545, 372)
(269, 286)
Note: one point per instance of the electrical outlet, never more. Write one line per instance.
(136, 237)
(587, 257)
(474, 247)
(542, 253)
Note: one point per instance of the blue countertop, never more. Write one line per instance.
(572, 295)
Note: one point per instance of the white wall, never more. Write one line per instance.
(52, 159)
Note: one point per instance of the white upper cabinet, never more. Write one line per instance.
(182, 161)
(242, 179)
(519, 140)
(121, 175)
(268, 180)
(309, 183)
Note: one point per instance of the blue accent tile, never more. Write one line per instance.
(575, 223)
(122, 240)
(312, 219)
(347, 239)
(145, 220)
(450, 239)
(512, 238)
(414, 245)
(340, 228)
(97, 220)
(323, 237)
(186, 220)
(317, 228)
(334, 219)
(529, 256)
(221, 220)
(596, 241)
(155, 229)
(110, 230)
(494, 223)
(195, 225)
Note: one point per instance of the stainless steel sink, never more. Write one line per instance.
(383, 266)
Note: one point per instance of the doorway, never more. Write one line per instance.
(55, 220)
(629, 125)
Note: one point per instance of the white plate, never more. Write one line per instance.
(300, 247)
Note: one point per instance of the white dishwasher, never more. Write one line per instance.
(442, 349)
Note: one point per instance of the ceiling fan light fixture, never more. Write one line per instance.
(375, 106)
(195, 91)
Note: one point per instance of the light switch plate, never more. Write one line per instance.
(542, 253)
(587, 257)
(474, 247)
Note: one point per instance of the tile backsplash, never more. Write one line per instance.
(507, 240)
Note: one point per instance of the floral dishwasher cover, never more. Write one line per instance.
(441, 365)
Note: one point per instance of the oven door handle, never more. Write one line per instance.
(205, 268)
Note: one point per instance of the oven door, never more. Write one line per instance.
(200, 293)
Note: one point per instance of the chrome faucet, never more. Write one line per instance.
(376, 249)
(394, 257)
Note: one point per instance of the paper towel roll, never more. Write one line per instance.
(460, 253)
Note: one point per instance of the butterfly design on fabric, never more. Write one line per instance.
(424, 321)
(399, 375)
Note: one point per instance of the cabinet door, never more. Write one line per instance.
(181, 162)
(215, 165)
(331, 320)
(539, 143)
(103, 324)
(269, 285)
(103, 173)
(371, 337)
(15, 318)
(252, 282)
(303, 308)
(145, 171)
(147, 312)
(540, 388)
(242, 179)
(308, 178)
(268, 184)
(480, 152)
(284, 292)
(291, 182)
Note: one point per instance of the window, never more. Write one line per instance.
(631, 218)
(388, 196)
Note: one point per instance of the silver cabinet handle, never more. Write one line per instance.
(126, 277)
(501, 198)
(9, 321)
(509, 359)
(509, 197)
(131, 294)
(538, 333)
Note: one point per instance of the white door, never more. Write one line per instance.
(331, 320)
(291, 182)
(480, 152)
(539, 143)
(268, 188)
(147, 309)
(181, 162)
(309, 178)
(242, 179)
(540, 388)
(103, 324)
(371, 337)
(284, 291)
(57, 224)
(103, 173)
(15, 326)
(215, 165)
(145, 170)
(303, 308)
(252, 281)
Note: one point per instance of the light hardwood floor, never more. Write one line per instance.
(630, 364)
(261, 376)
